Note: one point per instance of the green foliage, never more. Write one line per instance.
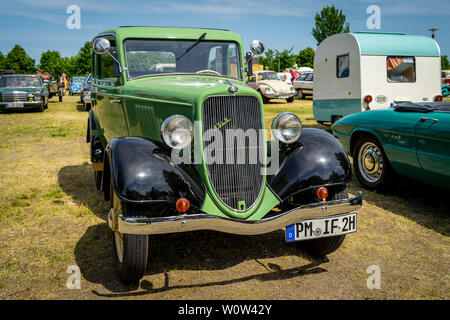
(278, 60)
(84, 59)
(305, 57)
(18, 60)
(330, 21)
(52, 62)
(2, 60)
(445, 64)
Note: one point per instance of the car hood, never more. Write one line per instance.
(183, 89)
(276, 85)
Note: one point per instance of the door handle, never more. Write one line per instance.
(429, 119)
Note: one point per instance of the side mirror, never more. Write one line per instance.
(257, 47)
(101, 46)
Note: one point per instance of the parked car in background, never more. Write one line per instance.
(23, 91)
(76, 85)
(142, 117)
(445, 76)
(54, 88)
(85, 95)
(269, 86)
(304, 85)
(411, 139)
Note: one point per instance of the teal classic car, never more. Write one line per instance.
(23, 91)
(178, 144)
(411, 139)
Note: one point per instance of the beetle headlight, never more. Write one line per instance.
(286, 127)
(267, 89)
(176, 131)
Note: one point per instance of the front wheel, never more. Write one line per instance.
(60, 98)
(372, 167)
(131, 250)
(291, 99)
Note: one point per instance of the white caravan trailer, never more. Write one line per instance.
(361, 71)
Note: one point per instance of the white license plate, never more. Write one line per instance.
(320, 228)
(282, 96)
(14, 105)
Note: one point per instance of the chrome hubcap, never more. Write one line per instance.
(118, 237)
(370, 162)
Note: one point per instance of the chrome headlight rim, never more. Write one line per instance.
(168, 121)
(276, 130)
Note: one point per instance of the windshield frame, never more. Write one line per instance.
(23, 75)
(239, 55)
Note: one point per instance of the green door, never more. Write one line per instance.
(433, 146)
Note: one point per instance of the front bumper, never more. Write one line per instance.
(281, 95)
(194, 222)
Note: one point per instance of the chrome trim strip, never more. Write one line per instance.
(202, 221)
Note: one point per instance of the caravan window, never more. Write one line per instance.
(343, 66)
(401, 69)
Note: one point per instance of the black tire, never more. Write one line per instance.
(291, 99)
(60, 98)
(323, 246)
(132, 263)
(372, 167)
(300, 94)
(264, 98)
(41, 107)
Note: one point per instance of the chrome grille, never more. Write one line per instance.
(12, 96)
(236, 184)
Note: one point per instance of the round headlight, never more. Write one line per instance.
(267, 89)
(176, 131)
(286, 127)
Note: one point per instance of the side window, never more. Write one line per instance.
(308, 77)
(106, 67)
(343, 66)
(401, 69)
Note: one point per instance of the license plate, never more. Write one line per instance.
(322, 227)
(283, 96)
(14, 105)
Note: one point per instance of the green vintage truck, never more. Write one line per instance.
(178, 143)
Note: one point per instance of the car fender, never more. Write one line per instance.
(143, 172)
(316, 159)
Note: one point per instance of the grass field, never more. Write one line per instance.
(52, 217)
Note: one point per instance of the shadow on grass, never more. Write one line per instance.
(78, 182)
(425, 204)
(200, 250)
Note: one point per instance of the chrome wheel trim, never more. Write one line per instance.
(118, 237)
(370, 162)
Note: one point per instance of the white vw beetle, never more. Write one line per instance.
(269, 86)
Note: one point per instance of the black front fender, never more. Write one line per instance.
(316, 159)
(143, 172)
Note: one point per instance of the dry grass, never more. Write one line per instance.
(52, 217)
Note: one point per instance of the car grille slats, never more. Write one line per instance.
(237, 184)
(13, 96)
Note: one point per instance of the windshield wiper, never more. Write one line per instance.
(192, 46)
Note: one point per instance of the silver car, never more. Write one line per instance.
(304, 85)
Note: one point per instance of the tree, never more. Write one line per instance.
(84, 59)
(278, 60)
(330, 21)
(2, 60)
(53, 63)
(305, 58)
(18, 60)
(445, 64)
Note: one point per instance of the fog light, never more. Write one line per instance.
(322, 193)
(182, 205)
(30, 99)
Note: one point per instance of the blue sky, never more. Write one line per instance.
(38, 25)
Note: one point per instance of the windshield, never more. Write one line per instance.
(152, 57)
(268, 76)
(78, 79)
(20, 81)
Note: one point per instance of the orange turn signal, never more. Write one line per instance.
(322, 193)
(368, 99)
(30, 99)
(182, 205)
(438, 98)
